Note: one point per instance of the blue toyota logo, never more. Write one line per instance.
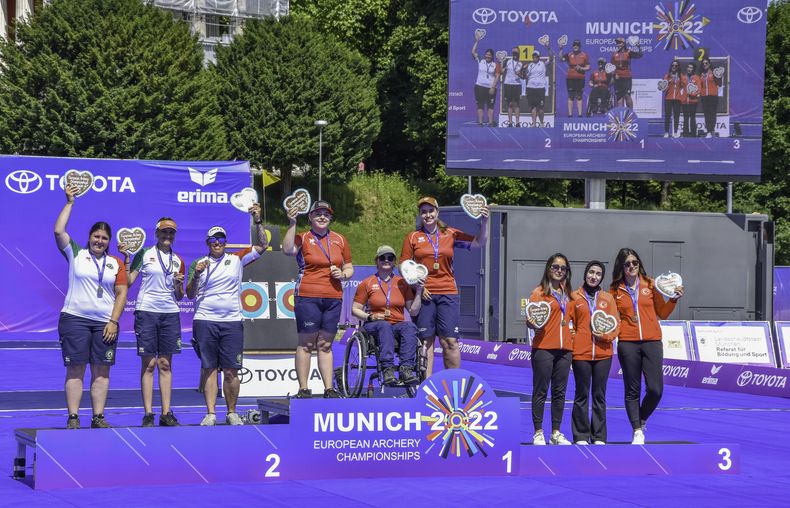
(750, 15)
(484, 16)
(23, 181)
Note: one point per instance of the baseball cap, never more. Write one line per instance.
(620, 39)
(384, 249)
(535, 52)
(216, 231)
(428, 200)
(166, 224)
(577, 42)
(602, 60)
(321, 204)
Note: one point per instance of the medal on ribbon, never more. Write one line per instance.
(634, 300)
(387, 294)
(562, 301)
(100, 289)
(435, 247)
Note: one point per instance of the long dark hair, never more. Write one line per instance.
(545, 281)
(100, 226)
(592, 263)
(669, 69)
(618, 271)
(693, 67)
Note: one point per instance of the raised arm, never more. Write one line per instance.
(289, 246)
(263, 243)
(482, 235)
(62, 238)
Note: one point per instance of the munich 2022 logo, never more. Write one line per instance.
(460, 417)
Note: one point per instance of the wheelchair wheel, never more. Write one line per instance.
(354, 365)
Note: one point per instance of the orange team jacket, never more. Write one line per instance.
(584, 347)
(371, 293)
(709, 87)
(417, 246)
(693, 98)
(650, 308)
(599, 79)
(676, 88)
(622, 60)
(573, 60)
(314, 280)
(553, 335)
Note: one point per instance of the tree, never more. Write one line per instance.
(107, 78)
(277, 78)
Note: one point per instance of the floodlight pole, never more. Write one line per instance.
(595, 193)
(729, 197)
(321, 124)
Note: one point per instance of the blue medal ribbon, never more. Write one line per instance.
(562, 300)
(634, 297)
(389, 288)
(591, 304)
(328, 251)
(434, 245)
(167, 271)
(100, 290)
(209, 271)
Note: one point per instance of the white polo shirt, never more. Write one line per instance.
(219, 285)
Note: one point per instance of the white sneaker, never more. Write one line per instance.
(666, 134)
(209, 420)
(676, 135)
(558, 439)
(600, 442)
(709, 135)
(233, 419)
(538, 439)
(582, 443)
(639, 437)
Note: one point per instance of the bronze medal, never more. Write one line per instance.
(635, 319)
(563, 322)
(386, 313)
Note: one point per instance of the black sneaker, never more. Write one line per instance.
(304, 393)
(388, 376)
(331, 393)
(407, 375)
(98, 422)
(148, 420)
(73, 422)
(168, 420)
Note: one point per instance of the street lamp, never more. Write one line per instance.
(321, 124)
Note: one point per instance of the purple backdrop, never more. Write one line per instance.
(782, 293)
(125, 193)
(587, 146)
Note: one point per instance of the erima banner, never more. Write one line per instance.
(126, 194)
(648, 88)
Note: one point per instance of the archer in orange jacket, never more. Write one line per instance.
(552, 346)
(639, 347)
(592, 356)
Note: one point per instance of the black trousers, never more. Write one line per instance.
(690, 120)
(549, 366)
(709, 104)
(637, 359)
(671, 109)
(587, 373)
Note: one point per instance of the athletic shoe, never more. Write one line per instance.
(209, 420)
(331, 393)
(407, 375)
(639, 437)
(148, 420)
(388, 376)
(558, 439)
(582, 443)
(233, 419)
(98, 422)
(599, 443)
(538, 439)
(709, 135)
(677, 135)
(666, 134)
(304, 393)
(73, 422)
(168, 420)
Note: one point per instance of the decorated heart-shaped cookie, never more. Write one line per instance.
(610, 68)
(562, 41)
(244, 199)
(543, 40)
(412, 272)
(538, 312)
(667, 283)
(633, 40)
(663, 84)
(718, 72)
(473, 204)
(501, 55)
(602, 323)
(480, 33)
(691, 88)
(133, 238)
(82, 181)
(300, 200)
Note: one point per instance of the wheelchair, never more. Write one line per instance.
(360, 349)
(599, 102)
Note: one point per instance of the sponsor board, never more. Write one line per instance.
(676, 339)
(783, 338)
(734, 342)
(275, 376)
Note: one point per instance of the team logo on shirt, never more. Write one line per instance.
(227, 262)
(110, 266)
(645, 291)
(603, 305)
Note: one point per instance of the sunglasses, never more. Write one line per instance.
(387, 257)
(222, 241)
(559, 268)
(629, 264)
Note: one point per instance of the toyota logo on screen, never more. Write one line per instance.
(484, 15)
(23, 181)
(750, 15)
